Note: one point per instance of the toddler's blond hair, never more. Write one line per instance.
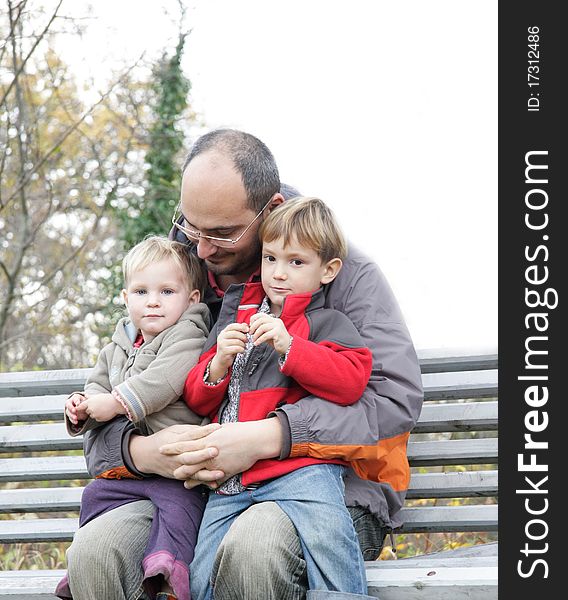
(156, 248)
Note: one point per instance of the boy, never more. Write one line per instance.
(277, 344)
(140, 376)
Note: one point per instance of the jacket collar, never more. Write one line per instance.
(295, 305)
(126, 333)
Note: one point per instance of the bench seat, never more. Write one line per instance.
(445, 576)
(453, 451)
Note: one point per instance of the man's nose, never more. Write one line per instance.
(205, 248)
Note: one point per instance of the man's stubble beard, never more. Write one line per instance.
(239, 263)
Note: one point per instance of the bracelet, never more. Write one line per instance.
(206, 376)
(282, 358)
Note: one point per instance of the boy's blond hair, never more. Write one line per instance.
(156, 248)
(311, 222)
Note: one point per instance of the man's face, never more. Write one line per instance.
(214, 202)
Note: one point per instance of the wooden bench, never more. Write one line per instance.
(458, 426)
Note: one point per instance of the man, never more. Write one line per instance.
(230, 183)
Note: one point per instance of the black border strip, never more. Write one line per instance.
(532, 129)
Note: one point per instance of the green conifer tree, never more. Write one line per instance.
(152, 213)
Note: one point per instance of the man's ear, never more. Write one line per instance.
(277, 200)
(330, 270)
(124, 296)
(194, 297)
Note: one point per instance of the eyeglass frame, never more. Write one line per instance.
(195, 235)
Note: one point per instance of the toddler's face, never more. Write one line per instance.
(157, 296)
(291, 269)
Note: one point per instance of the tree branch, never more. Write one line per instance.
(67, 133)
(20, 7)
(32, 50)
(5, 269)
(83, 245)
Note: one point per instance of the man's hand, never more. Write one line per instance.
(194, 453)
(230, 342)
(102, 407)
(271, 330)
(239, 446)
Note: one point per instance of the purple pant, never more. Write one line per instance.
(173, 534)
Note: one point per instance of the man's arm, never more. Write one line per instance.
(238, 446)
(119, 450)
(196, 453)
(379, 424)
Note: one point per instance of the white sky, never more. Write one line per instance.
(386, 110)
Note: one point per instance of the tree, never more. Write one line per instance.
(152, 214)
(63, 166)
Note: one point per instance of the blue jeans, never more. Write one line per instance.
(313, 499)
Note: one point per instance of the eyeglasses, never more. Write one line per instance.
(196, 235)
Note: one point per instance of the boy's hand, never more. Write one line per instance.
(230, 342)
(102, 407)
(73, 409)
(271, 330)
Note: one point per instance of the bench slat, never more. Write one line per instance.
(460, 484)
(42, 382)
(36, 438)
(43, 468)
(32, 408)
(444, 583)
(35, 383)
(424, 519)
(30, 585)
(437, 385)
(34, 500)
(470, 416)
(37, 530)
(467, 384)
(388, 580)
(424, 485)
(453, 452)
(463, 416)
(436, 361)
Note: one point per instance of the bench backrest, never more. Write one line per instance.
(458, 426)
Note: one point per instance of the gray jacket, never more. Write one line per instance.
(150, 378)
(378, 426)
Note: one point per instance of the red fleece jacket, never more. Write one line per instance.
(326, 359)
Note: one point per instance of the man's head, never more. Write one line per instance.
(161, 281)
(302, 249)
(230, 183)
(250, 157)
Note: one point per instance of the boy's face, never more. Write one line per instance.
(157, 296)
(293, 269)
